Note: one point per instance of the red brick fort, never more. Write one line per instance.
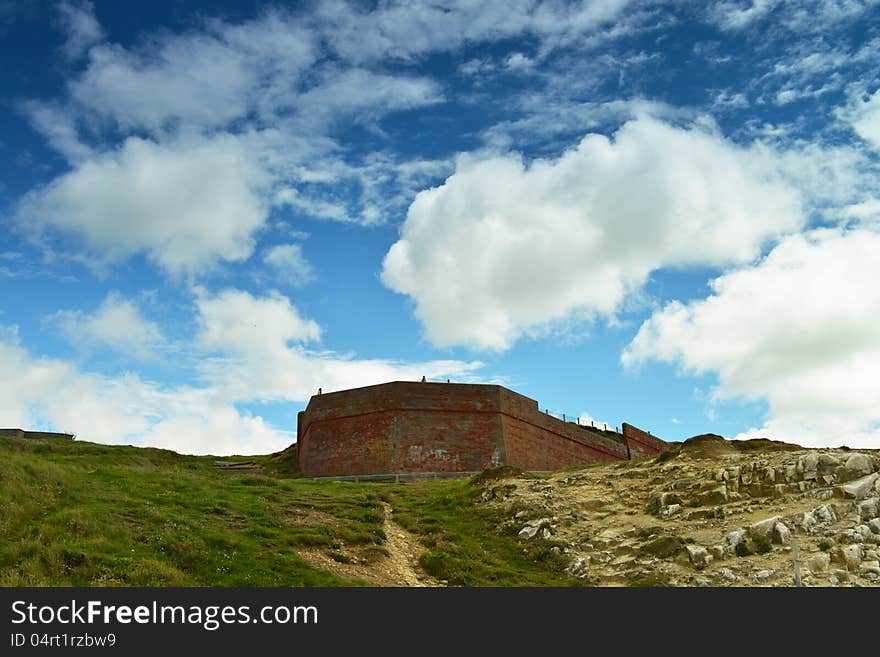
(409, 427)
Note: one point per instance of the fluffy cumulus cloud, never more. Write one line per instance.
(185, 205)
(116, 324)
(54, 394)
(236, 322)
(249, 349)
(258, 348)
(502, 248)
(799, 330)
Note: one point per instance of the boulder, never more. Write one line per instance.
(858, 488)
(849, 555)
(824, 513)
(717, 552)
(806, 521)
(819, 563)
(717, 495)
(810, 465)
(532, 528)
(874, 525)
(764, 528)
(858, 465)
(735, 537)
(698, 556)
(828, 464)
(862, 532)
(579, 566)
(529, 532)
(872, 567)
(869, 508)
(781, 534)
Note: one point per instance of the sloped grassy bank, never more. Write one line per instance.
(77, 513)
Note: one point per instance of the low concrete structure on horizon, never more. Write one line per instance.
(425, 427)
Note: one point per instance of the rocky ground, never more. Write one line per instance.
(709, 513)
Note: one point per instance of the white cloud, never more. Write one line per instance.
(81, 26)
(518, 62)
(866, 212)
(256, 348)
(290, 264)
(548, 117)
(795, 15)
(864, 116)
(204, 78)
(53, 394)
(588, 420)
(799, 329)
(238, 323)
(364, 96)
(59, 128)
(411, 29)
(185, 205)
(194, 80)
(501, 249)
(249, 349)
(117, 323)
(736, 15)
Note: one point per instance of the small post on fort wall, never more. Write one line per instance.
(563, 417)
(319, 391)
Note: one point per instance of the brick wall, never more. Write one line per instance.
(536, 441)
(401, 427)
(642, 444)
(438, 427)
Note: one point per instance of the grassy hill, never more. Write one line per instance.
(78, 513)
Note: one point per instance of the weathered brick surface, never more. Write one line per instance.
(438, 427)
(641, 443)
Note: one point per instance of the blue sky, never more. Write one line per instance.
(665, 213)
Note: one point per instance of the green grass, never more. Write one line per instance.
(462, 547)
(74, 513)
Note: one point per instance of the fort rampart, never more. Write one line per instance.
(21, 433)
(410, 427)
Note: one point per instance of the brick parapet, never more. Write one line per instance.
(641, 443)
(442, 427)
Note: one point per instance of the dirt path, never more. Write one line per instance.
(399, 567)
(403, 553)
